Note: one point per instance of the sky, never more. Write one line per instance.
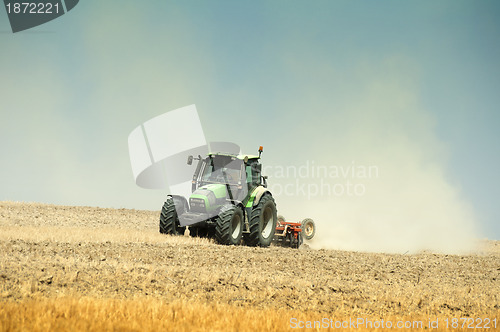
(409, 89)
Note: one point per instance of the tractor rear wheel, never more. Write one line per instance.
(169, 221)
(308, 228)
(229, 225)
(262, 223)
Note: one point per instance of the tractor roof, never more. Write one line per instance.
(250, 156)
(238, 156)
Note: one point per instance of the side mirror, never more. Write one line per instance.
(190, 160)
(264, 181)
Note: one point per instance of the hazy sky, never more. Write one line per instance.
(411, 87)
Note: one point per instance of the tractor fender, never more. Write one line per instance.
(180, 202)
(260, 192)
(256, 195)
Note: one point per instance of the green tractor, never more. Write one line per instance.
(229, 202)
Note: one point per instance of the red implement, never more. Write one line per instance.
(292, 234)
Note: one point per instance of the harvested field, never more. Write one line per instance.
(83, 268)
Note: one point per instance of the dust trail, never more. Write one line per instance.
(406, 204)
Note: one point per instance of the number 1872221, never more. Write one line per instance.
(32, 8)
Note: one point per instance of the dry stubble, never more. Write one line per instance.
(81, 268)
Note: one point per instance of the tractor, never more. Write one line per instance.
(229, 202)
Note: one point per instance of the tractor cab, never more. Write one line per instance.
(239, 174)
(221, 173)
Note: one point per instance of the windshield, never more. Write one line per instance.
(222, 169)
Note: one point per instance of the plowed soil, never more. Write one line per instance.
(51, 254)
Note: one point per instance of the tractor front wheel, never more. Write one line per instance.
(229, 225)
(169, 221)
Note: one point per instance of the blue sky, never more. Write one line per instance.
(410, 86)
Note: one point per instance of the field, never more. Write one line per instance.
(83, 268)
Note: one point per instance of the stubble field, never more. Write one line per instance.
(83, 268)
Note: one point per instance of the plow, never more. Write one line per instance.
(292, 234)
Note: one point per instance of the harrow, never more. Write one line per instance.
(292, 234)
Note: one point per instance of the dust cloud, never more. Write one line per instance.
(374, 175)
